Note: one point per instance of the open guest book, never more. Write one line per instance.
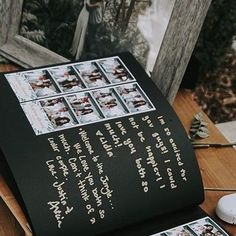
(93, 148)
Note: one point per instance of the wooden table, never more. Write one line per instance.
(217, 165)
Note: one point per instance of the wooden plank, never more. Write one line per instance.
(23, 52)
(8, 68)
(17, 48)
(177, 46)
(9, 19)
(8, 224)
(12, 204)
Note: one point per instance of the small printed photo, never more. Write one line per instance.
(41, 83)
(159, 234)
(84, 108)
(178, 231)
(206, 227)
(91, 75)
(115, 71)
(133, 98)
(109, 103)
(66, 78)
(58, 112)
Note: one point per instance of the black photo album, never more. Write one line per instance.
(93, 148)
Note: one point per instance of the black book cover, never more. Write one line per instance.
(94, 146)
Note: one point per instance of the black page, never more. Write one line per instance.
(5, 172)
(126, 190)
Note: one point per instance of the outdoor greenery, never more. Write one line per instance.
(50, 23)
(216, 35)
(216, 88)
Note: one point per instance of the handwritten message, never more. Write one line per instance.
(81, 164)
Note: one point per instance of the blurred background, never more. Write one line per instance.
(213, 63)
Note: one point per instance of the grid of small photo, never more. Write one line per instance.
(41, 83)
(133, 97)
(84, 107)
(58, 112)
(67, 78)
(92, 74)
(78, 93)
(201, 227)
(109, 102)
(115, 71)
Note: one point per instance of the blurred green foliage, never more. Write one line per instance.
(216, 35)
(50, 23)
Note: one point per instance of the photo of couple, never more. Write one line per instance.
(87, 29)
(91, 15)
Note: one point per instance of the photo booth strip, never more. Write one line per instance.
(134, 98)
(58, 112)
(110, 104)
(67, 78)
(205, 227)
(91, 74)
(61, 79)
(115, 70)
(41, 83)
(178, 231)
(84, 108)
(201, 227)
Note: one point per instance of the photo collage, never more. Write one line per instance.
(201, 227)
(75, 94)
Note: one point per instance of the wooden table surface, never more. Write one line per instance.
(217, 166)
